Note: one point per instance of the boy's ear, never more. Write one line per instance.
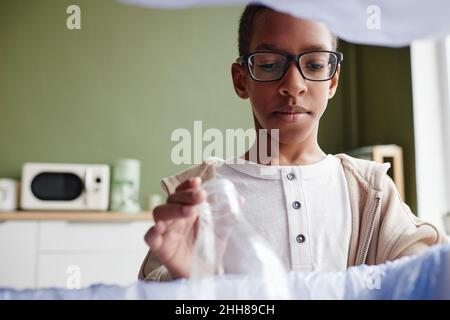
(238, 74)
(334, 83)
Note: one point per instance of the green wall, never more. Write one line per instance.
(118, 87)
(377, 103)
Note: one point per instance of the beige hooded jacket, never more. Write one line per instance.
(383, 226)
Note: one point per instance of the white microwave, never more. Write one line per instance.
(61, 186)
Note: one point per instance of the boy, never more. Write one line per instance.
(318, 212)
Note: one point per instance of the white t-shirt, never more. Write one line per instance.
(303, 212)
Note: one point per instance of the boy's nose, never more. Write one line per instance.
(293, 84)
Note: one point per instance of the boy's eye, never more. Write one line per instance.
(269, 66)
(315, 66)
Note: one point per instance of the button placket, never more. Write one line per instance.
(302, 237)
(300, 253)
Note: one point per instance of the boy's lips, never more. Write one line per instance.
(291, 113)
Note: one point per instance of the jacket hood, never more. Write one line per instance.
(368, 173)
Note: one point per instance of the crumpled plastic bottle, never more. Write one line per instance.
(226, 244)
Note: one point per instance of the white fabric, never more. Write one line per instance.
(376, 22)
(421, 277)
(324, 216)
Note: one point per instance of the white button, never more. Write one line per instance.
(300, 238)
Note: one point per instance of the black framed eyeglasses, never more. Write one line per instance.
(268, 66)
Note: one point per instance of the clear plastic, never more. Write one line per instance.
(227, 244)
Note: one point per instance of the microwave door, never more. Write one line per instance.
(56, 186)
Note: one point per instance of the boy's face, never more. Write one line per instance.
(274, 102)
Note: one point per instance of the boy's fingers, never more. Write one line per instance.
(187, 197)
(172, 211)
(191, 183)
(153, 237)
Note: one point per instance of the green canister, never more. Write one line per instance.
(125, 186)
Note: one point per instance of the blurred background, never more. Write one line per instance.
(118, 88)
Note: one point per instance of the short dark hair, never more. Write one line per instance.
(246, 28)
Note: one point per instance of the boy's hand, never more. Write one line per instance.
(172, 238)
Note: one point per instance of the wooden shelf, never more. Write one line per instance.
(75, 216)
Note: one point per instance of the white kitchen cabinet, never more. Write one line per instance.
(18, 253)
(70, 254)
(78, 270)
(75, 236)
